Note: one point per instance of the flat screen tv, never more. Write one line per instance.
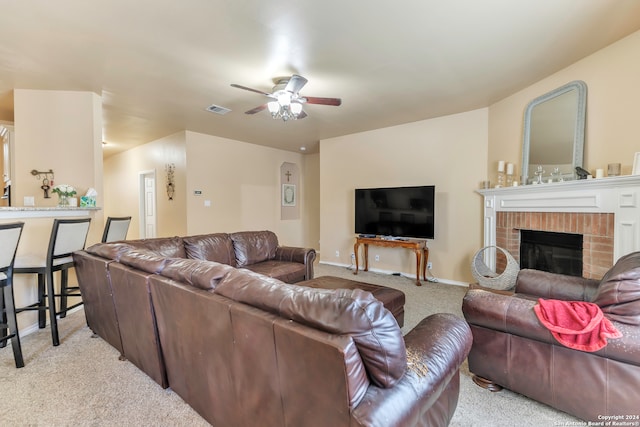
(396, 211)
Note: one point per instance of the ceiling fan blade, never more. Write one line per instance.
(323, 101)
(251, 90)
(257, 109)
(295, 83)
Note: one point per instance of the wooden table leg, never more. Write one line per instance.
(356, 246)
(418, 258)
(425, 261)
(366, 257)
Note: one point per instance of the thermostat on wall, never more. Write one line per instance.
(197, 192)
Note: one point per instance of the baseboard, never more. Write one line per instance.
(34, 327)
(409, 276)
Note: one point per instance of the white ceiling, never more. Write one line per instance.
(159, 63)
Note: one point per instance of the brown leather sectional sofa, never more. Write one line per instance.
(245, 349)
(511, 347)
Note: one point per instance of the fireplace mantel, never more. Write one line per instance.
(617, 195)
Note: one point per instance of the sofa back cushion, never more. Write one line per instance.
(338, 311)
(216, 247)
(109, 250)
(170, 247)
(252, 247)
(199, 273)
(619, 292)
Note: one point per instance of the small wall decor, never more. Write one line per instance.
(170, 169)
(288, 195)
(47, 180)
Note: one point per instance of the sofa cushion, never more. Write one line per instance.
(338, 311)
(170, 247)
(201, 274)
(619, 292)
(254, 246)
(288, 272)
(216, 247)
(145, 260)
(109, 250)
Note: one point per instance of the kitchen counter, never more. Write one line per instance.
(19, 212)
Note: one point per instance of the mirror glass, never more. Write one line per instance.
(554, 134)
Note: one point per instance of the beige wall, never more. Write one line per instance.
(122, 185)
(62, 131)
(242, 182)
(611, 75)
(449, 152)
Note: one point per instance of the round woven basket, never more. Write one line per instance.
(489, 278)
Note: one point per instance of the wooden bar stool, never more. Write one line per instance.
(67, 237)
(116, 229)
(9, 238)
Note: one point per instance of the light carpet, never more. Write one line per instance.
(82, 382)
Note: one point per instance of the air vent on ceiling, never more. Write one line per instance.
(218, 109)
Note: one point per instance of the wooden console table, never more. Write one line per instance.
(419, 248)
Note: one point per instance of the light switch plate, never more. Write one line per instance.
(29, 201)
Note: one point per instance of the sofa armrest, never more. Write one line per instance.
(304, 256)
(516, 316)
(555, 286)
(505, 314)
(440, 343)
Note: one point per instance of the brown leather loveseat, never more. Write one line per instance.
(512, 348)
(244, 349)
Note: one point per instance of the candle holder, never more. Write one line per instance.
(539, 172)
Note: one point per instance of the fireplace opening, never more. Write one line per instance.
(553, 252)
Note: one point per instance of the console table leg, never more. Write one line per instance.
(418, 258)
(366, 257)
(356, 246)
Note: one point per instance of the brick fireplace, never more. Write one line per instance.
(597, 230)
(606, 212)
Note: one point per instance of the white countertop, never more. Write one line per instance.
(18, 212)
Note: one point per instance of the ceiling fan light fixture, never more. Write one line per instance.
(273, 107)
(284, 99)
(296, 109)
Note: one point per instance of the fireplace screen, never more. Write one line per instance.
(553, 252)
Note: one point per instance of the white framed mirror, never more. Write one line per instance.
(553, 142)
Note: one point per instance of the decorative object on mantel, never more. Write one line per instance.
(490, 279)
(170, 168)
(636, 164)
(500, 174)
(613, 169)
(89, 199)
(64, 191)
(47, 180)
(539, 172)
(509, 174)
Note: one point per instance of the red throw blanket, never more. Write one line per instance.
(576, 324)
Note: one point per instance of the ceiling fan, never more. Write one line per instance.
(287, 101)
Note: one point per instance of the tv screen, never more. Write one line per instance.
(396, 211)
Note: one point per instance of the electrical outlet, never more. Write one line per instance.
(377, 257)
(337, 254)
(429, 265)
(353, 256)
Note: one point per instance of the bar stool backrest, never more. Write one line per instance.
(9, 238)
(116, 229)
(67, 236)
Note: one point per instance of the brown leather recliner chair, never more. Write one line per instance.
(511, 347)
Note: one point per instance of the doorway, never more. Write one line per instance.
(147, 204)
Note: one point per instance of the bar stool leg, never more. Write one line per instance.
(42, 314)
(64, 279)
(52, 307)
(3, 320)
(13, 326)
